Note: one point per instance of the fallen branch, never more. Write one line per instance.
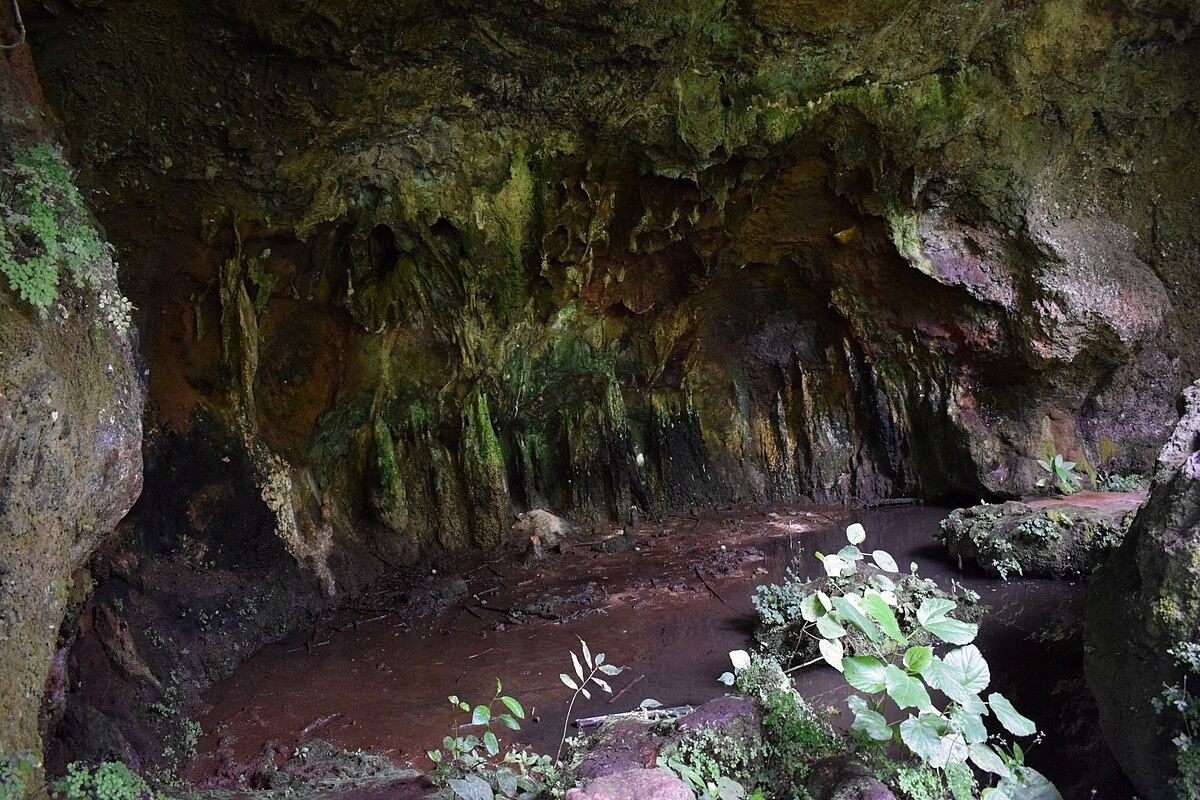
(654, 713)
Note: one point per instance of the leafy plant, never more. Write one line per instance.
(473, 767)
(46, 233)
(580, 681)
(1179, 701)
(1116, 482)
(797, 615)
(111, 780)
(1061, 475)
(16, 772)
(901, 664)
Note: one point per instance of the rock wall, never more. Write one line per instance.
(70, 402)
(1144, 602)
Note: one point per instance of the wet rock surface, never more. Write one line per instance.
(844, 778)
(1144, 601)
(1051, 537)
(635, 784)
(71, 396)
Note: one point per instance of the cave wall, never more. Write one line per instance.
(71, 397)
(406, 267)
(433, 262)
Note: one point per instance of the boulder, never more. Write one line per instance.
(635, 784)
(1144, 601)
(1051, 538)
(845, 778)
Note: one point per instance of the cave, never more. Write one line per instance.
(315, 319)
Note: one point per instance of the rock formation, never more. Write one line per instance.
(1144, 602)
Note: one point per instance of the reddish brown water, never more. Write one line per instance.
(670, 611)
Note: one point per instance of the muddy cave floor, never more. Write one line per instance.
(374, 676)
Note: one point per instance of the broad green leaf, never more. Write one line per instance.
(968, 667)
(992, 793)
(565, 678)
(587, 654)
(850, 553)
(988, 760)
(729, 789)
(1044, 464)
(1013, 722)
(498, 686)
(828, 627)
(471, 788)
(921, 737)
(960, 676)
(848, 613)
(905, 690)
(932, 616)
(481, 715)
(810, 608)
(513, 706)
(884, 561)
(1028, 784)
(864, 673)
(585, 693)
(834, 565)
(883, 583)
(951, 749)
(599, 659)
(917, 658)
(855, 533)
(491, 743)
(882, 613)
(832, 652)
(824, 600)
(508, 722)
(453, 699)
(506, 781)
(873, 724)
(971, 725)
(610, 669)
(934, 608)
(434, 755)
(578, 666)
(602, 684)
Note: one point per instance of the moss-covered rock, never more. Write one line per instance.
(1043, 541)
(70, 401)
(1144, 602)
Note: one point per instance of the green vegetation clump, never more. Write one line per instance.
(917, 677)
(1179, 701)
(16, 772)
(111, 780)
(46, 235)
(793, 618)
(1061, 475)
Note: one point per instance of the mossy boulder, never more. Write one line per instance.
(1144, 601)
(1049, 540)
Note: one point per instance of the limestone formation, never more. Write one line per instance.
(1143, 602)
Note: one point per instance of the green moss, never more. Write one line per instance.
(700, 113)
(905, 234)
(513, 207)
(393, 500)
